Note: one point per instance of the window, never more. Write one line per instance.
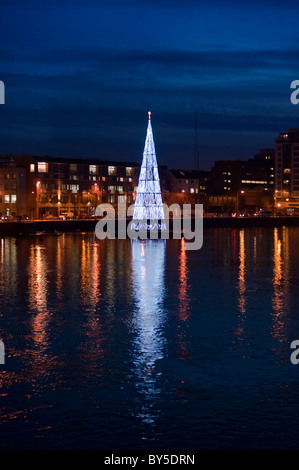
(74, 187)
(32, 168)
(73, 167)
(92, 169)
(111, 170)
(111, 189)
(7, 176)
(6, 198)
(191, 190)
(42, 167)
(129, 171)
(120, 189)
(13, 199)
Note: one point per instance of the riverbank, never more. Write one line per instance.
(29, 227)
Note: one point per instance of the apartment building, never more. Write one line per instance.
(55, 186)
(287, 171)
(13, 197)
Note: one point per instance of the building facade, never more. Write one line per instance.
(287, 171)
(13, 189)
(57, 187)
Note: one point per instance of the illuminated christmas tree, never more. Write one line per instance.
(148, 203)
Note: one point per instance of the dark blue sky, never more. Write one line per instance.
(81, 75)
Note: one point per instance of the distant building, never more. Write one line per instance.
(13, 189)
(247, 186)
(189, 181)
(225, 178)
(187, 187)
(258, 173)
(56, 186)
(287, 171)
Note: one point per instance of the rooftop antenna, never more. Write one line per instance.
(196, 149)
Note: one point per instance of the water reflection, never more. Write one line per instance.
(241, 286)
(241, 277)
(184, 302)
(148, 264)
(38, 294)
(90, 274)
(281, 259)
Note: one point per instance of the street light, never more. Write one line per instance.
(242, 192)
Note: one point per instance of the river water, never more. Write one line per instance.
(121, 344)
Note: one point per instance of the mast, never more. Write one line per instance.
(196, 147)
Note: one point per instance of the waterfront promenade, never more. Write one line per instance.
(28, 227)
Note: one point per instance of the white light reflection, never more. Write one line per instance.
(148, 264)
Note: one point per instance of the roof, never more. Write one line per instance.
(69, 160)
(189, 174)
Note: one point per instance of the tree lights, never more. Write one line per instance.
(148, 203)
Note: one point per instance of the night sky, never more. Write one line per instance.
(81, 75)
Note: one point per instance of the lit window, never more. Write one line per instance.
(13, 198)
(92, 169)
(120, 189)
(111, 170)
(191, 190)
(6, 198)
(129, 171)
(42, 167)
(32, 168)
(74, 187)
